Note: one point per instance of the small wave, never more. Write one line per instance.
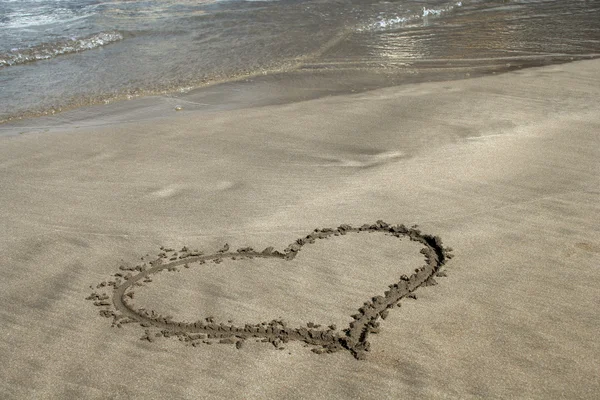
(383, 23)
(390, 22)
(50, 50)
(438, 11)
(32, 20)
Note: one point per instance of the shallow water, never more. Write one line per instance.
(59, 54)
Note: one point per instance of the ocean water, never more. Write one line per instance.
(60, 54)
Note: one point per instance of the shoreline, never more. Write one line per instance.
(282, 86)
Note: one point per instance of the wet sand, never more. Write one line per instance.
(503, 168)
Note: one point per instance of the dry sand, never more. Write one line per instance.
(505, 169)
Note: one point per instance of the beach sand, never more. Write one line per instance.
(505, 169)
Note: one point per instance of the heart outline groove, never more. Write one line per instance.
(354, 338)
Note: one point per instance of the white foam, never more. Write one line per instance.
(50, 50)
(396, 21)
(439, 11)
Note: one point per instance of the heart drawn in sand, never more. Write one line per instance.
(353, 338)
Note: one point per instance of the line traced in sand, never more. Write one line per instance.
(354, 338)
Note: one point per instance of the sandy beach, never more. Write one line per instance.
(505, 169)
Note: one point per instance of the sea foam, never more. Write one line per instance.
(46, 51)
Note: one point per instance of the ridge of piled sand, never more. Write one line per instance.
(354, 338)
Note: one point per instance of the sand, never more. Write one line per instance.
(504, 169)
